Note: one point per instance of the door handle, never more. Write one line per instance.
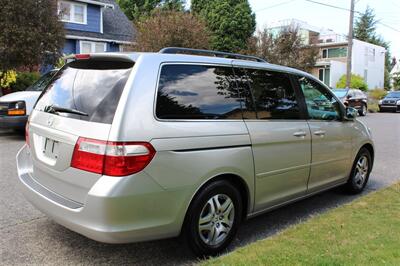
(300, 134)
(320, 133)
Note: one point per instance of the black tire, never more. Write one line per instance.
(363, 111)
(191, 231)
(355, 185)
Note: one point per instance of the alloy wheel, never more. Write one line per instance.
(361, 171)
(216, 219)
(364, 110)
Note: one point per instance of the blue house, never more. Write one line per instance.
(94, 26)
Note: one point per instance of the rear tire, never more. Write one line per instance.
(360, 172)
(213, 218)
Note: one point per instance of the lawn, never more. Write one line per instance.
(363, 232)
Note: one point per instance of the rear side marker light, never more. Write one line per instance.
(111, 158)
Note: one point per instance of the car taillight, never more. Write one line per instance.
(27, 133)
(111, 158)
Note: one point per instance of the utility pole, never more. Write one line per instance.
(350, 45)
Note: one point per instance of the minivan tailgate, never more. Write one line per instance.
(52, 140)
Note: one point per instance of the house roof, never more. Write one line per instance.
(116, 26)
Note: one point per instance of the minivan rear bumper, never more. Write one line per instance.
(116, 210)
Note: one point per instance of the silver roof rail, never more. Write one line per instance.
(190, 51)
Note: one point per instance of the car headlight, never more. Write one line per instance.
(380, 101)
(17, 108)
(398, 102)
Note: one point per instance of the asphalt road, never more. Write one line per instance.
(29, 237)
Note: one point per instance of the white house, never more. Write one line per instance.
(368, 60)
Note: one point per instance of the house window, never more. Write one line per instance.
(72, 12)
(324, 75)
(334, 52)
(92, 47)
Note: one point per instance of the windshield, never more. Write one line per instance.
(42, 82)
(91, 87)
(340, 93)
(393, 94)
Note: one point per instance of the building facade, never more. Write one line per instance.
(368, 60)
(94, 26)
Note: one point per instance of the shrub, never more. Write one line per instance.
(24, 80)
(373, 107)
(356, 82)
(377, 94)
(7, 79)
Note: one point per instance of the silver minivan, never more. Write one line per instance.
(127, 147)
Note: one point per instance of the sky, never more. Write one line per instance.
(387, 12)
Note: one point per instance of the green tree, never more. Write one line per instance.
(139, 9)
(171, 28)
(396, 80)
(356, 82)
(365, 30)
(31, 34)
(231, 22)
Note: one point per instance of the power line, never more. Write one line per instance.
(346, 9)
(387, 26)
(328, 5)
(276, 5)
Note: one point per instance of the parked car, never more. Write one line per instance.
(16, 107)
(140, 146)
(391, 102)
(353, 98)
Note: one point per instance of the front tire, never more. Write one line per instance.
(364, 110)
(360, 172)
(213, 218)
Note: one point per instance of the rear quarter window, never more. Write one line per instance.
(90, 86)
(197, 92)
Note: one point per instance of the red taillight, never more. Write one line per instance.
(82, 56)
(27, 133)
(111, 158)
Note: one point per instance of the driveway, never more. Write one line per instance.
(29, 237)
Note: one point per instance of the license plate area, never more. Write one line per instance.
(46, 149)
(50, 148)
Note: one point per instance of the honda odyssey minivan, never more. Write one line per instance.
(127, 147)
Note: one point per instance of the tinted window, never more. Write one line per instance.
(197, 92)
(395, 94)
(274, 96)
(92, 87)
(41, 83)
(321, 105)
(360, 94)
(351, 93)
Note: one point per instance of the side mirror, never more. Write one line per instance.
(348, 97)
(351, 113)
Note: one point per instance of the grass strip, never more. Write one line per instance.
(363, 232)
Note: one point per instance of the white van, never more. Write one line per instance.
(16, 107)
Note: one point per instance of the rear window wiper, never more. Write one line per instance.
(53, 109)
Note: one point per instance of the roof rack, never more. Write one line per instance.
(180, 50)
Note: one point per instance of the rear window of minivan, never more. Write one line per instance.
(90, 86)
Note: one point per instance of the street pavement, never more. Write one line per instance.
(29, 237)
